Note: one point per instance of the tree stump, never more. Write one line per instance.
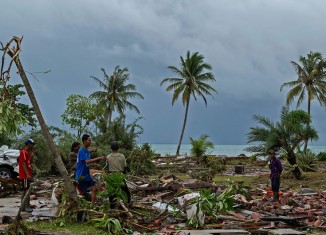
(239, 169)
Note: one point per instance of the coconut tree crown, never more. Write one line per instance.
(192, 82)
(193, 79)
(311, 81)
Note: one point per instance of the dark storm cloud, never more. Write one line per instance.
(249, 44)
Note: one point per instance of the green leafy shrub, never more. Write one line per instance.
(210, 204)
(111, 225)
(307, 160)
(114, 184)
(140, 161)
(216, 164)
(201, 147)
(321, 156)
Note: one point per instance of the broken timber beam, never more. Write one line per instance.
(176, 187)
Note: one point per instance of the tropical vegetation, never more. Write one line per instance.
(311, 82)
(201, 147)
(115, 95)
(288, 134)
(79, 113)
(192, 80)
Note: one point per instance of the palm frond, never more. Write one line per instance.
(102, 84)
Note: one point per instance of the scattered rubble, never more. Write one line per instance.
(167, 204)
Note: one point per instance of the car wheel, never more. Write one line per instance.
(5, 173)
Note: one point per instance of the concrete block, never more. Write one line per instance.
(286, 231)
(217, 232)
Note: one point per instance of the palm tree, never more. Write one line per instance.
(311, 81)
(116, 93)
(201, 148)
(192, 81)
(287, 134)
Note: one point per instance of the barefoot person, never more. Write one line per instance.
(83, 176)
(276, 169)
(25, 171)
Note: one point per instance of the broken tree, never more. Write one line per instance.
(14, 53)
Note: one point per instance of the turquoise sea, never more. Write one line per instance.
(228, 150)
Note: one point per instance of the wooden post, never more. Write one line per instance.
(239, 169)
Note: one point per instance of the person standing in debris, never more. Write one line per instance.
(26, 172)
(117, 163)
(276, 169)
(83, 176)
(73, 157)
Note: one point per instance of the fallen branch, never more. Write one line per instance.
(140, 226)
(125, 208)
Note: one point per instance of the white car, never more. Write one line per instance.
(8, 162)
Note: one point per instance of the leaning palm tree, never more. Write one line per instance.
(116, 93)
(192, 82)
(311, 82)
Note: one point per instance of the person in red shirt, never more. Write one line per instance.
(25, 170)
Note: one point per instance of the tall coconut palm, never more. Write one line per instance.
(192, 82)
(116, 93)
(311, 82)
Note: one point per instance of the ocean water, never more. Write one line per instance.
(228, 150)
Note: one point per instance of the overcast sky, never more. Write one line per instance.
(248, 43)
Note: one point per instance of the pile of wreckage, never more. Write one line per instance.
(164, 206)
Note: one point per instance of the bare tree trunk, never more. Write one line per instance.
(292, 159)
(306, 140)
(46, 133)
(183, 127)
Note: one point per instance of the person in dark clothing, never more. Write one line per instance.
(73, 157)
(276, 169)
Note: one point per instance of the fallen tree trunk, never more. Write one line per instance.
(176, 187)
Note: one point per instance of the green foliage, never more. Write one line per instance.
(11, 118)
(311, 81)
(307, 160)
(63, 141)
(210, 204)
(140, 161)
(321, 156)
(110, 225)
(79, 113)
(115, 96)
(216, 164)
(43, 162)
(288, 134)
(64, 225)
(7, 139)
(192, 80)
(126, 134)
(14, 114)
(201, 147)
(114, 182)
